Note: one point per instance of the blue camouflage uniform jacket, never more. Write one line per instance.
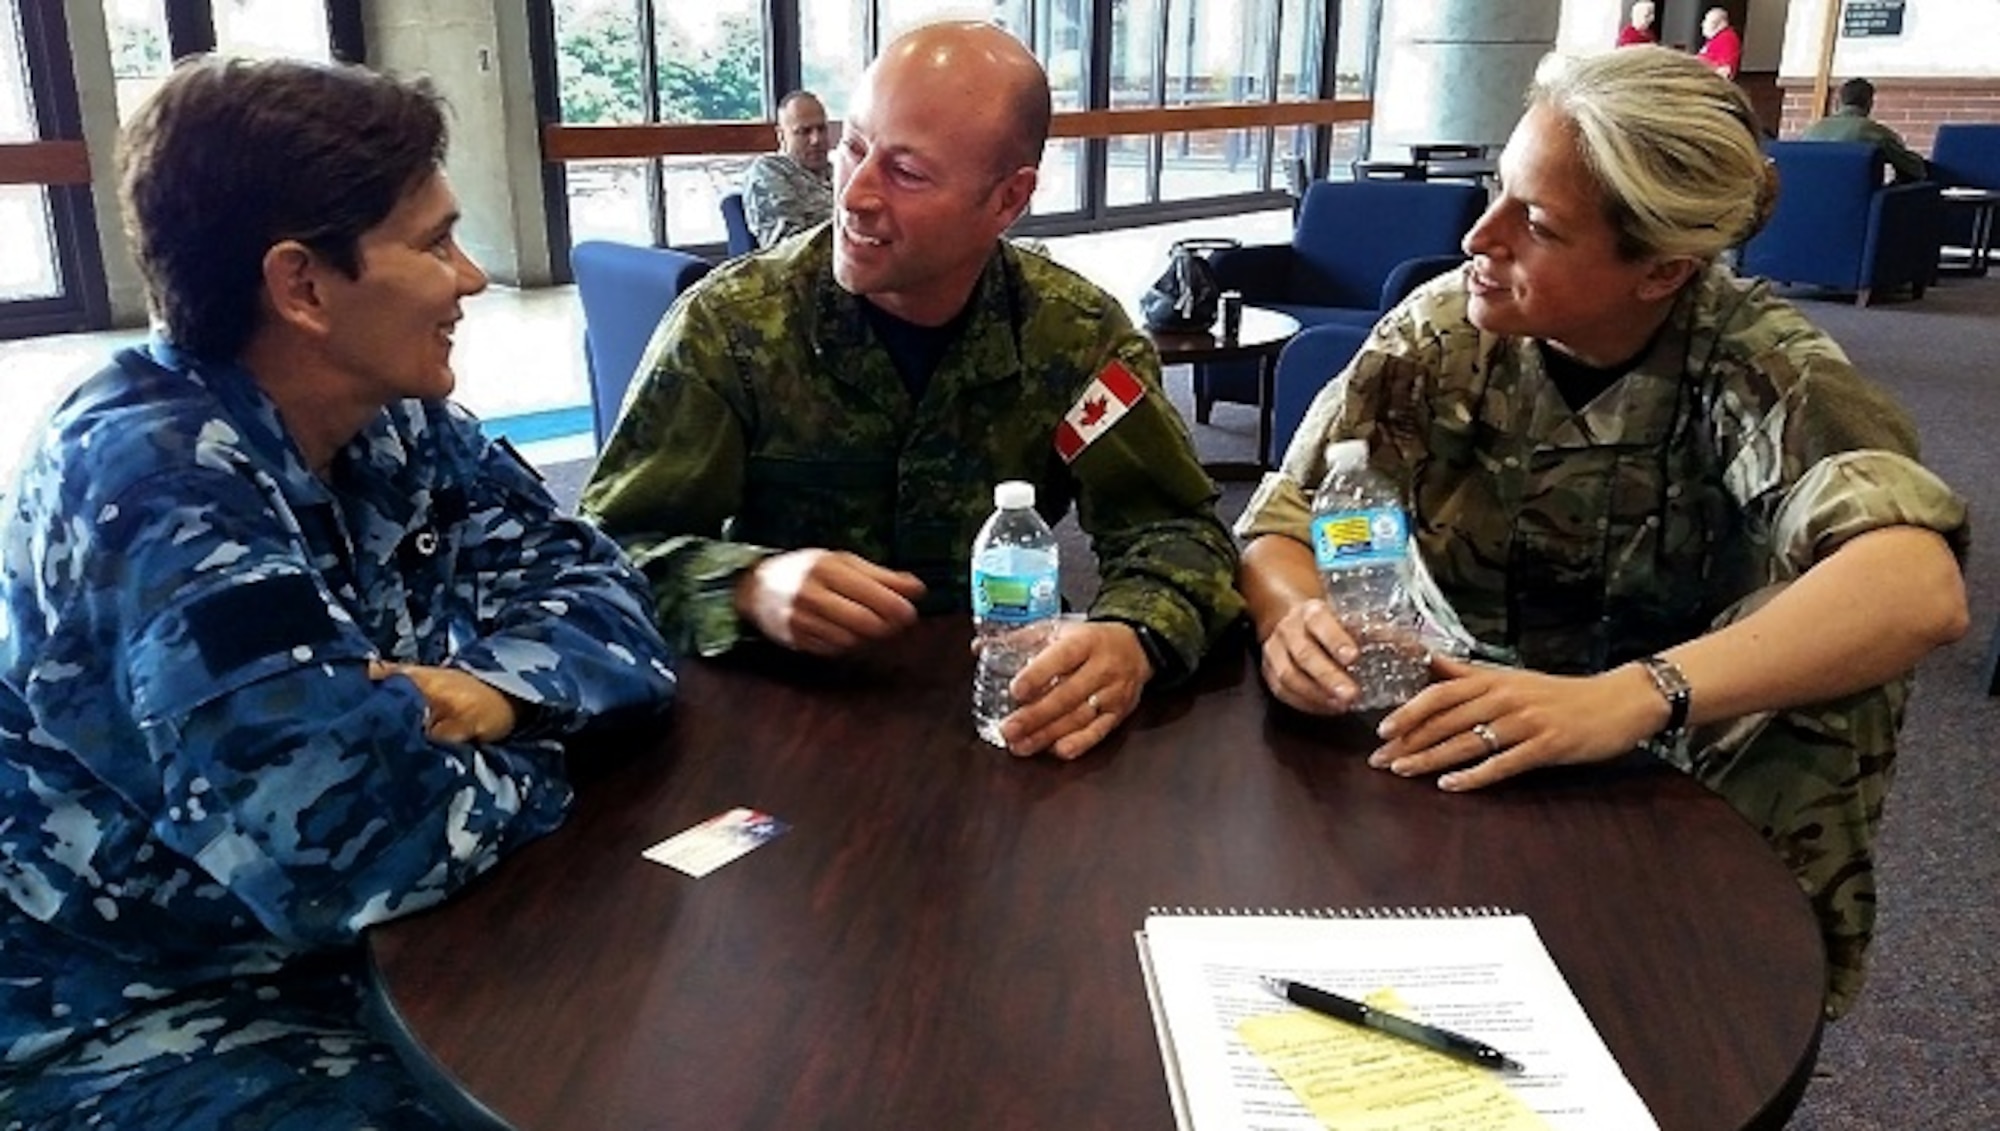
(200, 786)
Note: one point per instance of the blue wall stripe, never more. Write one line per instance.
(547, 424)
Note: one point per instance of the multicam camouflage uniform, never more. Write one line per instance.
(782, 198)
(203, 796)
(1742, 449)
(768, 416)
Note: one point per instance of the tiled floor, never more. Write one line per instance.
(520, 353)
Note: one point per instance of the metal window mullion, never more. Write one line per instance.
(1097, 96)
(784, 50)
(190, 27)
(1273, 66)
(1156, 149)
(649, 80)
(346, 31)
(548, 111)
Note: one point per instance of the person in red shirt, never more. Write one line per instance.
(1723, 49)
(1640, 30)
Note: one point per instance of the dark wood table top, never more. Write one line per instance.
(944, 937)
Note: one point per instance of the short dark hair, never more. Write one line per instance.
(1858, 93)
(1032, 111)
(785, 103)
(232, 156)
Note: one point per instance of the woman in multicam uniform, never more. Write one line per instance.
(1662, 507)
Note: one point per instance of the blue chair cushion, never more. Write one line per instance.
(1307, 363)
(624, 290)
(1837, 225)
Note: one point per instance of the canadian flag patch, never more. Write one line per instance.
(1110, 395)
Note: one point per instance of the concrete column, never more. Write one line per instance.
(476, 52)
(1455, 70)
(90, 52)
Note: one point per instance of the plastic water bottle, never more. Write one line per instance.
(1361, 540)
(1015, 600)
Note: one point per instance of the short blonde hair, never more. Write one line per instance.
(1674, 147)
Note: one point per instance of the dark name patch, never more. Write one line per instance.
(234, 626)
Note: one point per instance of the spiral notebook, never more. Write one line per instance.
(1478, 971)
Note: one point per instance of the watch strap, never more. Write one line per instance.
(1673, 686)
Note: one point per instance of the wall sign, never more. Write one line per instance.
(1862, 19)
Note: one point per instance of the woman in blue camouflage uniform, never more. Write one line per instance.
(287, 643)
(1656, 496)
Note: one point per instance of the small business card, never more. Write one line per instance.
(705, 847)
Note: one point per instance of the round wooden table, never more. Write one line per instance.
(945, 936)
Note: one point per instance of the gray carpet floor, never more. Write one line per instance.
(1922, 1049)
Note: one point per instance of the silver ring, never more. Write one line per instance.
(1096, 708)
(1485, 734)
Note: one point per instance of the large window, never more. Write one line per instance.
(639, 61)
(1207, 52)
(50, 280)
(632, 61)
(148, 35)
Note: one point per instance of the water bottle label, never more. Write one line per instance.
(1370, 536)
(1014, 600)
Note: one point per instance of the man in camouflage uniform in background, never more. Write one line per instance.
(1743, 449)
(287, 644)
(1850, 121)
(786, 192)
(812, 440)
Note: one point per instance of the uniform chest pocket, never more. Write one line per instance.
(843, 504)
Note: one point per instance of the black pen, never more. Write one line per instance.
(1359, 1013)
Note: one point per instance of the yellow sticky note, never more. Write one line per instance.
(1357, 1079)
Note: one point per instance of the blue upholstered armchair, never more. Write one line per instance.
(736, 223)
(1965, 155)
(624, 289)
(1357, 249)
(1306, 364)
(1838, 226)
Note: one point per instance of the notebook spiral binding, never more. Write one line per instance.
(1468, 912)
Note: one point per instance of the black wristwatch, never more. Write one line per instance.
(1166, 662)
(1673, 687)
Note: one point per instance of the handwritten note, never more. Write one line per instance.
(1358, 1079)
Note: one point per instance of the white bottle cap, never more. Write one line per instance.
(1346, 455)
(1014, 494)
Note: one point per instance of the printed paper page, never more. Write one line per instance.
(1487, 977)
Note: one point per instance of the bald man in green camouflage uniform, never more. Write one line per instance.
(812, 440)
(1656, 499)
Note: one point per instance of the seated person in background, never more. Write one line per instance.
(1651, 493)
(1852, 123)
(286, 641)
(1641, 29)
(1723, 48)
(791, 190)
(814, 435)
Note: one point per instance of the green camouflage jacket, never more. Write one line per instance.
(1849, 124)
(1740, 450)
(766, 416)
